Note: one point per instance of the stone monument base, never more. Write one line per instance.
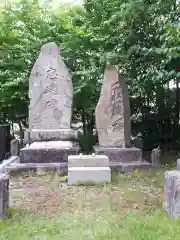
(123, 159)
(130, 166)
(53, 135)
(48, 152)
(15, 169)
(116, 154)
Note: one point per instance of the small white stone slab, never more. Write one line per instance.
(88, 161)
(79, 175)
(51, 145)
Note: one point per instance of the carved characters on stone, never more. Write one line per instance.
(113, 111)
(50, 89)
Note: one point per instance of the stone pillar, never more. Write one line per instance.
(4, 196)
(138, 142)
(172, 194)
(155, 156)
(178, 164)
(26, 139)
(14, 147)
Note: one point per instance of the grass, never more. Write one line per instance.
(44, 207)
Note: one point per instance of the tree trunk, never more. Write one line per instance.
(91, 123)
(83, 119)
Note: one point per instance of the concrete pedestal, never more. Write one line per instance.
(48, 152)
(124, 159)
(53, 135)
(120, 154)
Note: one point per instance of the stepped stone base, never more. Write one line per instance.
(62, 168)
(19, 168)
(130, 166)
(120, 154)
(79, 175)
(8, 162)
(48, 152)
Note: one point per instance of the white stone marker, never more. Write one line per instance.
(88, 168)
(88, 161)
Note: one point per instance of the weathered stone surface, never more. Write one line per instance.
(77, 175)
(88, 161)
(178, 165)
(4, 196)
(44, 152)
(172, 194)
(14, 149)
(131, 166)
(16, 169)
(51, 145)
(113, 111)
(50, 91)
(8, 162)
(51, 135)
(26, 139)
(155, 156)
(120, 154)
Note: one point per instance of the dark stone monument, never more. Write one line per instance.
(4, 196)
(5, 141)
(138, 141)
(14, 150)
(155, 156)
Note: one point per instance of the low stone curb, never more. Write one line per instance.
(8, 162)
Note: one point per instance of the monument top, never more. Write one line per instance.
(113, 111)
(50, 48)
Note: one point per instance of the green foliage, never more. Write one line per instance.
(86, 142)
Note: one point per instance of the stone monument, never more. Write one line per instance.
(50, 110)
(155, 156)
(113, 124)
(4, 196)
(171, 202)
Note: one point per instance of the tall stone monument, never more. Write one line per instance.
(50, 94)
(113, 123)
(50, 110)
